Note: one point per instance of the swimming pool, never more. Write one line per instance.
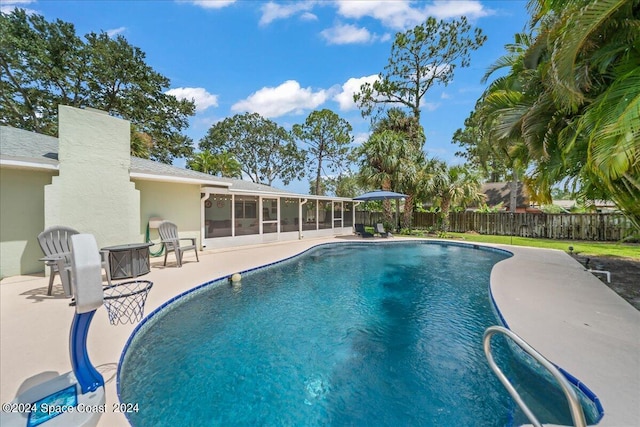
(346, 334)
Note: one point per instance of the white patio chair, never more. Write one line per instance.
(381, 231)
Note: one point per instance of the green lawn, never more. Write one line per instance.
(625, 250)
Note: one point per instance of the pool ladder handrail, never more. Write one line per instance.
(577, 413)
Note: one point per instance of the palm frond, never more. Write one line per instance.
(615, 137)
(572, 36)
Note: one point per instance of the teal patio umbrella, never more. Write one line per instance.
(382, 195)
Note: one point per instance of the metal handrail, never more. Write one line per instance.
(577, 414)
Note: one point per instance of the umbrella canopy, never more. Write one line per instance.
(380, 195)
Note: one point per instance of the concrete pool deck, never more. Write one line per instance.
(545, 296)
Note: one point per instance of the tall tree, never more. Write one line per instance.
(221, 164)
(344, 185)
(44, 64)
(420, 58)
(480, 150)
(39, 63)
(324, 187)
(328, 137)
(347, 185)
(265, 150)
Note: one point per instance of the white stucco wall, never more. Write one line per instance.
(178, 203)
(93, 193)
(21, 220)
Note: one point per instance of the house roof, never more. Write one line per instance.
(17, 145)
(21, 148)
(500, 192)
(144, 168)
(565, 204)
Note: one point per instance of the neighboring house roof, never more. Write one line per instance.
(500, 192)
(21, 148)
(565, 204)
(599, 205)
(604, 204)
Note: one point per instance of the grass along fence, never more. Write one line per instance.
(604, 227)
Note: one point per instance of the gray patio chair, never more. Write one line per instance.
(381, 231)
(169, 237)
(55, 243)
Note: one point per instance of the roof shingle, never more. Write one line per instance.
(26, 146)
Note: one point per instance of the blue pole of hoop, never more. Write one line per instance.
(88, 377)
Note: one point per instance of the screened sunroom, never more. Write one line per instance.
(234, 216)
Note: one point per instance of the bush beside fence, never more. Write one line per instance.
(596, 227)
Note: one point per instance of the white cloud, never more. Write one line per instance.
(429, 71)
(398, 14)
(287, 98)
(116, 31)
(8, 6)
(200, 96)
(445, 95)
(347, 34)
(273, 11)
(401, 15)
(204, 122)
(212, 4)
(429, 106)
(445, 9)
(345, 97)
(361, 137)
(308, 16)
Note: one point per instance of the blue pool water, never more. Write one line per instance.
(346, 334)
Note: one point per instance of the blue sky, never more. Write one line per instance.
(286, 59)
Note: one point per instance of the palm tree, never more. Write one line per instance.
(608, 93)
(390, 162)
(408, 156)
(380, 160)
(398, 120)
(226, 165)
(450, 186)
(202, 162)
(141, 143)
(223, 164)
(596, 76)
(570, 106)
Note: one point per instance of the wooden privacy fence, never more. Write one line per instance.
(368, 218)
(597, 226)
